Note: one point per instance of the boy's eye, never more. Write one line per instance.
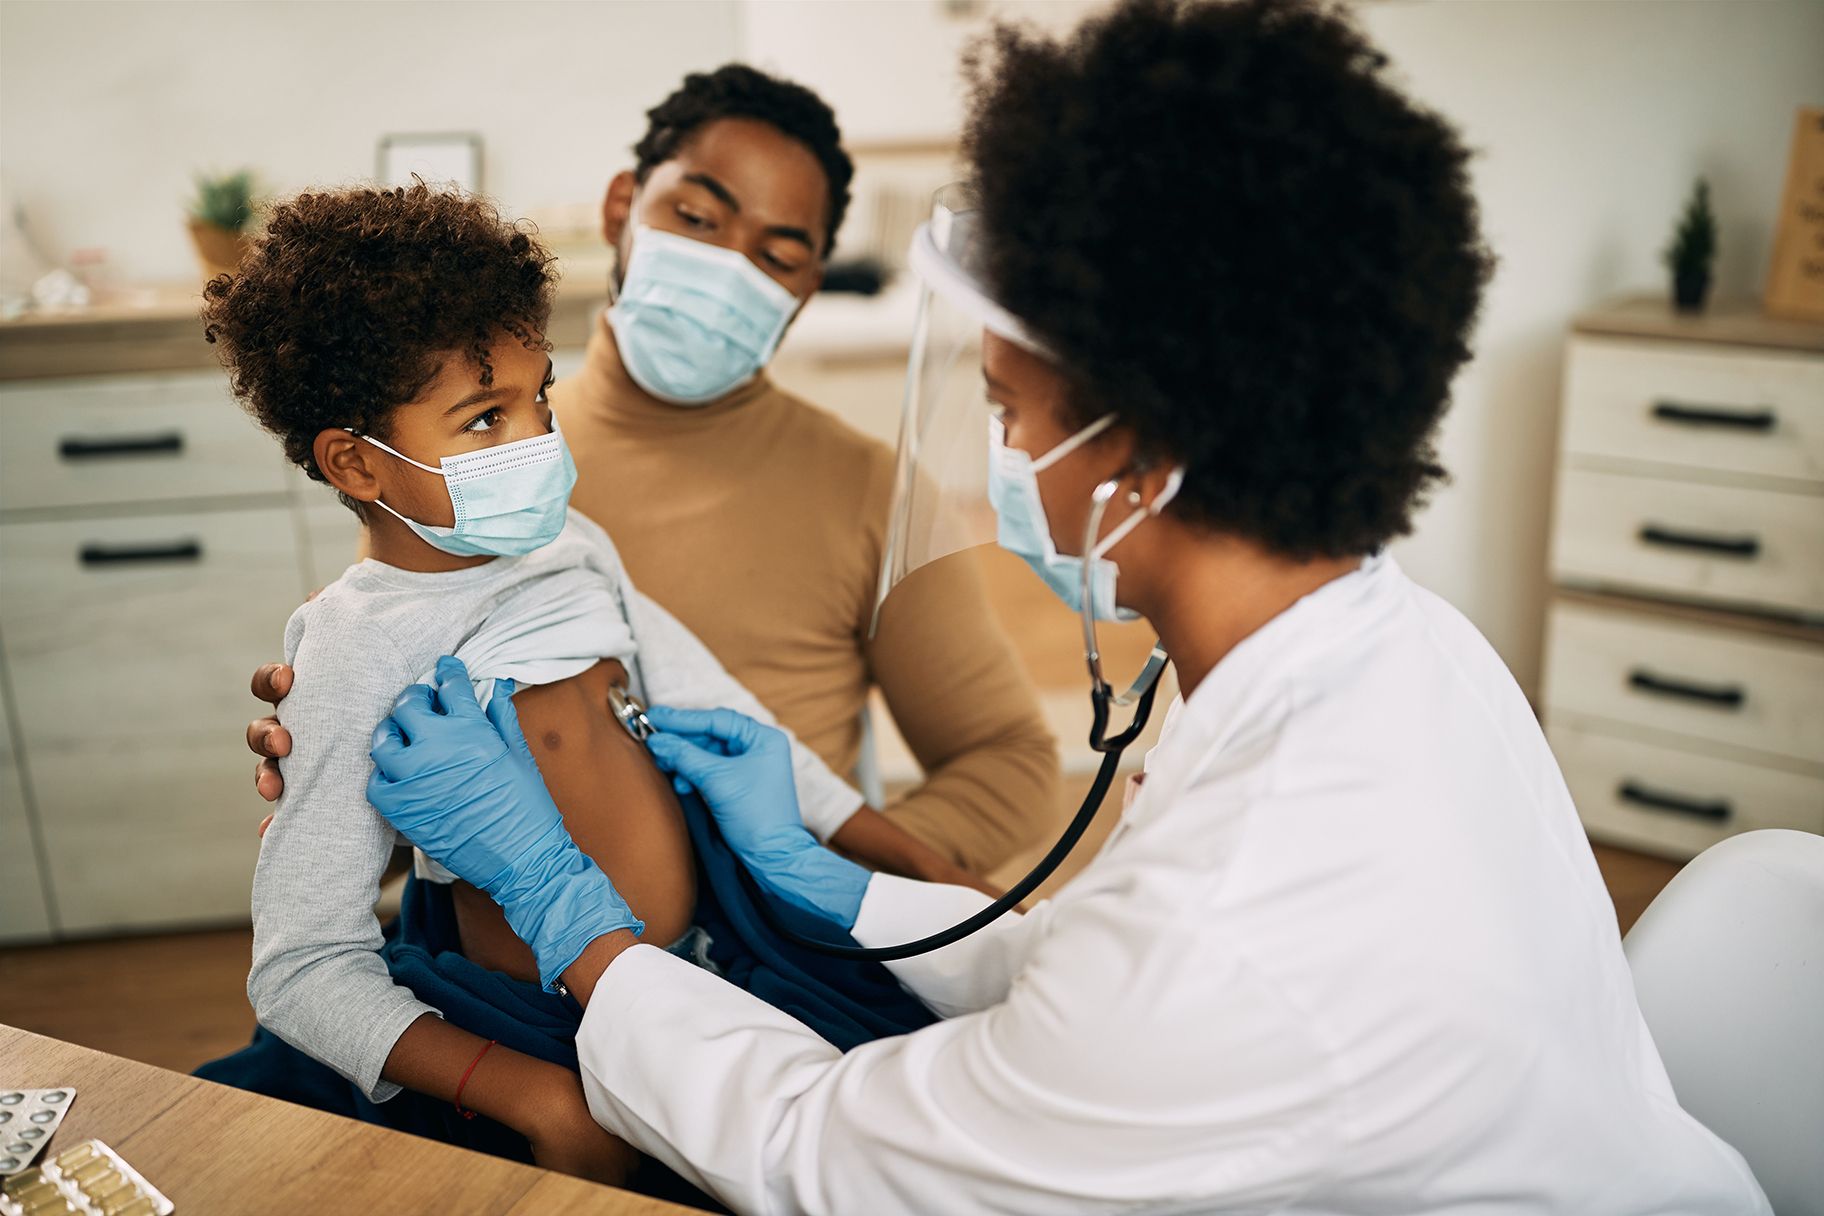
(543, 390)
(691, 218)
(484, 422)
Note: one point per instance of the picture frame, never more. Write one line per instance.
(440, 158)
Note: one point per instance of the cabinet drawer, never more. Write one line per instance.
(1675, 802)
(1657, 403)
(131, 439)
(1744, 548)
(1720, 686)
(130, 677)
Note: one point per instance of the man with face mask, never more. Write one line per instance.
(756, 518)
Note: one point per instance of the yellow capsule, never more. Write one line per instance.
(115, 1189)
(20, 1182)
(119, 1202)
(70, 1158)
(102, 1183)
(48, 1205)
(143, 1206)
(89, 1171)
(35, 1194)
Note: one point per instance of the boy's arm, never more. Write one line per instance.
(541, 1101)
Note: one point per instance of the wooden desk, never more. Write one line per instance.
(214, 1150)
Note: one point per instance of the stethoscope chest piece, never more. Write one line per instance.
(630, 713)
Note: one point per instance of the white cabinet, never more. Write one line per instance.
(24, 914)
(153, 543)
(1684, 682)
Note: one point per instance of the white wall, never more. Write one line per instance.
(107, 108)
(1591, 120)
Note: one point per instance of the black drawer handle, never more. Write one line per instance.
(1656, 800)
(166, 443)
(1761, 420)
(175, 551)
(1728, 546)
(1728, 696)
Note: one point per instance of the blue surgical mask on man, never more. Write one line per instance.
(509, 500)
(694, 321)
(1022, 529)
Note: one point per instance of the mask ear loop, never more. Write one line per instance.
(1146, 684)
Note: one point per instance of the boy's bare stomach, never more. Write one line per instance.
(619, 808)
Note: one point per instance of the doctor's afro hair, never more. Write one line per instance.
(352, 300)
(1247, 244)
(735, 90)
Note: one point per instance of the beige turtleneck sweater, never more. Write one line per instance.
(758, 521)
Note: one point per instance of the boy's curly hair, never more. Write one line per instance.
(1247, 243)
(352, 300)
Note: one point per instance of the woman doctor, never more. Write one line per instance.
(1347, 950)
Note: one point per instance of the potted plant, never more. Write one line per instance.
(1693, 251)
(221, 216)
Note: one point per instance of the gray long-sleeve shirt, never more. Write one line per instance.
(318, 981)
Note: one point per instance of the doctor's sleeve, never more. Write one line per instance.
(678, 670)
(1113, 1075)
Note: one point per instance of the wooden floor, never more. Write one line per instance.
(179, 1000)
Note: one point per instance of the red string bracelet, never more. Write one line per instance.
(466, 1074)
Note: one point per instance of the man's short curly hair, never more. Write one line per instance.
(352, 300)
(1246, 243)
(738, 91)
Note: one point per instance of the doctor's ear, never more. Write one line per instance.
(617, 207)
(343, 460)
(1153, 479)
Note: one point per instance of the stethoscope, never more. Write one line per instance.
(632, 715)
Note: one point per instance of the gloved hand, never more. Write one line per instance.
(744, 772)
(462, 785)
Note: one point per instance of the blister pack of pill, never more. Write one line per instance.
(27, 1119)
(86, 1179)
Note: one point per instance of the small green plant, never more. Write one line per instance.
(1693, 249)
(225, 200)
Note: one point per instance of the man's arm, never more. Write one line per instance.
(970, 715)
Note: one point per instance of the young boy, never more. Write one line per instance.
(393, 341)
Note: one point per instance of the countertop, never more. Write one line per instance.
(155, 328)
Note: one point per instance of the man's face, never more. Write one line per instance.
(740, 184)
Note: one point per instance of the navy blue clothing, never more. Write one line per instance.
(847, 1003)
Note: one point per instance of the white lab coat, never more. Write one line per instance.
(1348, 951)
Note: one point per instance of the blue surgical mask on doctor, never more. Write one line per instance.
(695, 321)
(509, 500)
(1013, 489)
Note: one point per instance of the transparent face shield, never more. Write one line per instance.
(940, 494)
(940, 502)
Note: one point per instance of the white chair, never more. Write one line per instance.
(1728, 964)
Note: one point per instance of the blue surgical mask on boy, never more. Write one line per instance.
(1022, 529)
(695, 321)
(509, 500)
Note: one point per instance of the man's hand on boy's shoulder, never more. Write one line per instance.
(265, 737)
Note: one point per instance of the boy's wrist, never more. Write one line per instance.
(541, 1092)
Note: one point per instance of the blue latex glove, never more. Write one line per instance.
(744, 772)
(462, 785)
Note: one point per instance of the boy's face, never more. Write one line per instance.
(455, 414)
